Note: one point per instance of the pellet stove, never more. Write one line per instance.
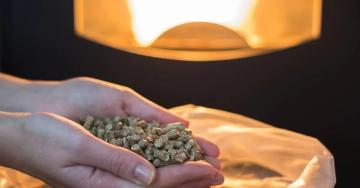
(201, 30)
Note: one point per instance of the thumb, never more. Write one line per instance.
(116, 160)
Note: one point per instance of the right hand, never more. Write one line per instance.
(63, 154)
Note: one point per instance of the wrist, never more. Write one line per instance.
(11, 89)
(24, 95)
(11, 136)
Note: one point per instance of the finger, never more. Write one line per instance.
(85, 176)
(139, 106)
(53, 183)
(174, 175)
(119, 161)
(213, 161)
(208, 147)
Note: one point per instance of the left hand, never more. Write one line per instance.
(83, 96)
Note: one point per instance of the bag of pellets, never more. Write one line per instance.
(253, 154)
(257, 155)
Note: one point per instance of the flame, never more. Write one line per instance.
(152, 18)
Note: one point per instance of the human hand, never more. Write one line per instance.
(63, 154)
(79, 97)
(83, 96)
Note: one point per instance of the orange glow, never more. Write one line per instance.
(198, 30)
(152, 18)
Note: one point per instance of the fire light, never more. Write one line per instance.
(198, 30)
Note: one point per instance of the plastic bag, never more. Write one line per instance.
(10, 178)
(253, 154)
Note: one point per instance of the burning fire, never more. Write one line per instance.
(150, 19)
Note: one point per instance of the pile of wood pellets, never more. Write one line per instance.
(161, 144)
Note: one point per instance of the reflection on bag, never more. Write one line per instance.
(255, 154)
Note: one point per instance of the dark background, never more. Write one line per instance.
(312, 89)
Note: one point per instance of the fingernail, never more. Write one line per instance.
(218, 179)
(144, 174)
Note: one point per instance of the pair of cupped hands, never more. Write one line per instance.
(51, 146)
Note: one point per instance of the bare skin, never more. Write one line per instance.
(46, 143)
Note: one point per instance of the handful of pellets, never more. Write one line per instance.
(161, 144)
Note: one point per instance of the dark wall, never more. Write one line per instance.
(2, 15)
(312, 88)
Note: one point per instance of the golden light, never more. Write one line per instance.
(153, 18)
(198, 30)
